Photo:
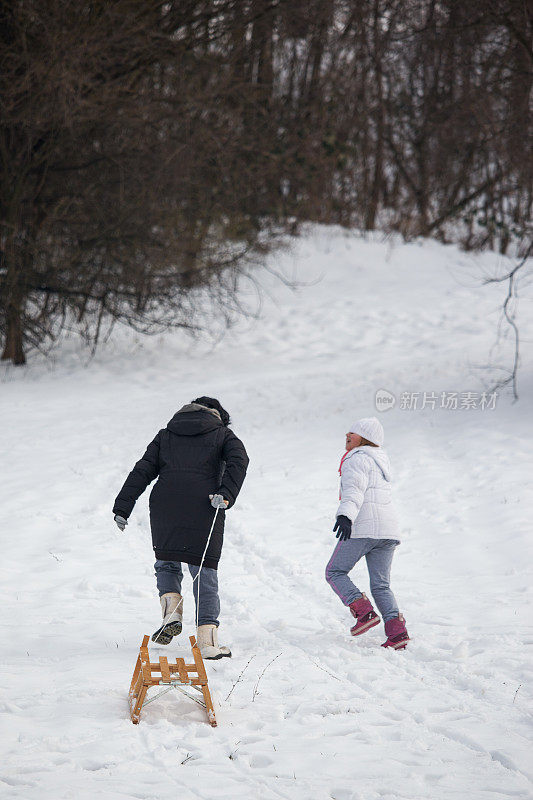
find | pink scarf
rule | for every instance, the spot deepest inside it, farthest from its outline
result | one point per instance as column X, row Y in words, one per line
column 340, row 467
column 342, row 460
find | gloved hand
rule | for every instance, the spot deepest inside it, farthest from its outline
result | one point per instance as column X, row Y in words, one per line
column 217, row 501
column 343, row 526
column 121, row 522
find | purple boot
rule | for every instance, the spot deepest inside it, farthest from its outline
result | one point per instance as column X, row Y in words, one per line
column 397, row 636
column 363, row 610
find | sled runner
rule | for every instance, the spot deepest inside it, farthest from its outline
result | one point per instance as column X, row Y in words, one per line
column 170, row 676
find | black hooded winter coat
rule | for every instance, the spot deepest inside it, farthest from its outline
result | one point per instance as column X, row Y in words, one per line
column 193, row 457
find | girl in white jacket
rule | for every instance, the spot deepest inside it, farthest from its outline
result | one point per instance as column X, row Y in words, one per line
column 367, row 526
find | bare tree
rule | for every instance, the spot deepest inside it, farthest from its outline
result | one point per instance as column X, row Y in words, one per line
column 508, row 314
column 121, row 164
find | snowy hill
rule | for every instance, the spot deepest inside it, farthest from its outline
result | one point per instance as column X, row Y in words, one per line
column 305, row 711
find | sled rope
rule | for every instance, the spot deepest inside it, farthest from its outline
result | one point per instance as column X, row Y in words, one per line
column 201, row 565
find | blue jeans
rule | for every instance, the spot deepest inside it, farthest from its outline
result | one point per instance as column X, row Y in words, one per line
column 378, row 553
column 169, row 576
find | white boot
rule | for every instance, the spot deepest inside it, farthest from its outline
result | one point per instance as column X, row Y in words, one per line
column 172, row 608
column 208, row 643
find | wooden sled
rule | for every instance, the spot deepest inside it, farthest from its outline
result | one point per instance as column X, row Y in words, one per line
column 171, row 676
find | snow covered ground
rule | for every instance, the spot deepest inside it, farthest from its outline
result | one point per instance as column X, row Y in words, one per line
column 304, row 710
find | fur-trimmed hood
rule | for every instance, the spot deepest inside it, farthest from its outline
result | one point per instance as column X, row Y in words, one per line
column 194, row 419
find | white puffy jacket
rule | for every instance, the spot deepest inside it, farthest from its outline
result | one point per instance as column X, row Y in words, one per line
column 365, row 494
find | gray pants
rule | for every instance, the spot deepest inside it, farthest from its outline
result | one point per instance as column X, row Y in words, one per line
column 169, row 575
column 378, row 553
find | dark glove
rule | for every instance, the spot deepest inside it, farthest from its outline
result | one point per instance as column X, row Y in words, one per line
column 343, row 526
column 121, row 522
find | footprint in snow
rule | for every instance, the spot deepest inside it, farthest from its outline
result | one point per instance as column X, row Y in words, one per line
column 259, row 761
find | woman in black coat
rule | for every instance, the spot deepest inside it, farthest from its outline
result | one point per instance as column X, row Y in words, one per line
column 200, row 465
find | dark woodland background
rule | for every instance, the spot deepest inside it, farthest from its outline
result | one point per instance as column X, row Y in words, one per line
column 149, row 148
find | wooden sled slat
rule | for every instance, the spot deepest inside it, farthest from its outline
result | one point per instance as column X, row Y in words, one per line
column 165, row 671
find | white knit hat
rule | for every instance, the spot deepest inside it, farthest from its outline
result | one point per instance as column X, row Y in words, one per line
column 369, row 428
